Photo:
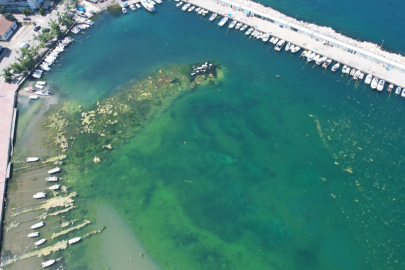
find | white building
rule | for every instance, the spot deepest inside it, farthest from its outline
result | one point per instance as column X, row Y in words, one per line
column 6, row 28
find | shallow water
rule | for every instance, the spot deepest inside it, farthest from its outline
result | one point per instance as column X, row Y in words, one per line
column 280, row 166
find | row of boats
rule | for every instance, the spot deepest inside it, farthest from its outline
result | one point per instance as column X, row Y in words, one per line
column 149, row 5
column 41, row 195
column 374, row 82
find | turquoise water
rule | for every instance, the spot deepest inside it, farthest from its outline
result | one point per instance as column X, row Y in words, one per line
column 365, row 20
column 279, row 166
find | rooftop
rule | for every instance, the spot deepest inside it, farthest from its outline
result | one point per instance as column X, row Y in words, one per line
column 4, row 25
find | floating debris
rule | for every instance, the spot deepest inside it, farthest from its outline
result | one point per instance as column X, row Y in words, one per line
column 96, row 159
column 12, row 225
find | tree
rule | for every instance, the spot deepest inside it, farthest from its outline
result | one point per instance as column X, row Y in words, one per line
column 66, row 19
column 26, row 11
column 44, row 38
column 2, row 9
column 9, row 17
column 8, row 77
column 55, row 29
column 41, row 11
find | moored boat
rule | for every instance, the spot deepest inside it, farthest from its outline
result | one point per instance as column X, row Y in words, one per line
column 361, row 76
column 398, row 91
column 380, row 85
column 335, row 67
column 147, row 6
column 39, row 195
column 265, row 37
column 40, row 242
column 321, row 60
column 223, row 21
column 249, row 31
column 308, row 54
column 287, row 47
column 243, row 27
column 34, row 97
column 32, row 159
column 138, row 5
column 403, row 93
column 352, row 72
column 347, row 71
column 303, row 53
column 368, row 79
column 41, row 82
column 374, row 83
column 238, row 26
column 275, row 40
column 38, row 225
column 43, row 93
column 132, row 7
column 74, row 240
column 213, row 17
column 185, row 7
column 191, row 8
column 311, row 57
column 279, row 45
column 390, row 87
column 34, row 234
column 326, row 64
column 232, row 24
column 179, row 4
column 48, row 263
column 356, row 74
column 197, row 10
column 54, row 187
column 124, row 10
column 316, row 58
column 54, row 170
column 52, row 179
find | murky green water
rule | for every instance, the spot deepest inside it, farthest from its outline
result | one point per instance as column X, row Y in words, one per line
column 279, row 166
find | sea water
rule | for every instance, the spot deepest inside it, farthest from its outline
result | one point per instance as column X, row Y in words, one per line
column 281, row 165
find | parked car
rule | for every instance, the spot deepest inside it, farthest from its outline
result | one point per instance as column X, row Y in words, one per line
column 34, row 23
column 36, row 28
column 26, row 19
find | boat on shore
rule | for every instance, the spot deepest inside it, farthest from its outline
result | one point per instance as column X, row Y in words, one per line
column 40, row 242
column 54, row 187
column 326, row 64
column 223, row 21
column 390, row 87
column 74, row 240
column 39, row 195
column 34, row 234
column 335, row 67
column 54, row 170
column 52, row 179
column 48, row 263
column 380, row 85
column 398, row 91
column 38, row 225
column 213, row 17
column 32, row 159
column 374, row 83
column 368, row 79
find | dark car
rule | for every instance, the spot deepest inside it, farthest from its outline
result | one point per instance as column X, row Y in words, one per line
column 36, row 28
column 34, row 23
column 26, row 19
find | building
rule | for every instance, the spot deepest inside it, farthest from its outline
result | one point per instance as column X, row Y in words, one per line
column 7, row 28
column 19, row 5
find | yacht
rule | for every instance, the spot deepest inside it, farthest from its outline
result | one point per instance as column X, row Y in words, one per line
column 213, row 17
column 54, row 187
column 308, row 54
column 39, row 195
column 205, row 12
column 52, row 179
column 34, row 234
column 335, row 67
column 311, row 57
column 147, row 6
column 138, row 5
column 288, row 46
column 347, row 70
column 403, row 93
column 200, row 11
column 279, row 45
column 352, row 72
column 54, row 170
column 232, row 24
column 40, row 242
column 238, row 26
column 374, row 83
column 265, row 37
column 31, row 159
column 243, row 27
column 361, row 76
column 38, row 225
column 303, row 53
column 191, row 8
column 275, row 41
column 124, row 10
column 48, row 263
column 380, row 85
column 368, row 79
column 74, row 240
column 390, row 87
column 223, row 21
column 197, row 10
column 321, row 60
column 356, row 74
column 185, row 7
column 133, row 7
column 326, row 64
column 398, row 91
column 259, row 35
column 272, row 39
column 43, row 93
column 248, row 32
column 295, row 48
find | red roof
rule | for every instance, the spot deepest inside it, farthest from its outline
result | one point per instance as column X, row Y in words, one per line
column 4, row 25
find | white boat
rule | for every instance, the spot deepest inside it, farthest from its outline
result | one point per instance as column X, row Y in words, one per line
column 311, row 57
column 287, row 47
column 74, row 240
column 138, row 5
column 32, row 159
column 147, row 6
column 38, row 225
column 39, row 86
column 326, row 64
column 243, row 27
column 52, row 179
column 368, row 79
column 179, row 4
column 213, row 17
column 238, row 26
column 374, row 83
column 132, row 7
column 34, row 97
column 403, row 93
column 41, row 82
column 308, row 54
column 295, row 49
column 335, row 67
column 54, row 170
column 258, row 35
column 361, row 76
column 380, row 85
column 34, row 234
column 249, row 31
column 352, row 72
column 390, row 87
column 344, row 69
column 191, row 8
column 185, row 7
column 232, row 24
column 275, row 40
column 265, row 37
column 43, row 93
column 48, row 263
column 40, row 242
column 205, row 12
column 124, row 10
column 398, row 91
column 272, row 39
column 321, row 60
column 158, row 1
column 356, row 74
column 223, row 21
column 39, row 195
column 279, row 45
column 197, row 10
column 54, row 187
column 317, row 57
column 201, row 11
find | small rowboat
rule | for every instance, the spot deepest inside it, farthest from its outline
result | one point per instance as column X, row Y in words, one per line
column 74, row 240
column 32, row 159
column 48, row 263
column 54, row 170
column 40, row 242
column 34, row 234
column 38, row 225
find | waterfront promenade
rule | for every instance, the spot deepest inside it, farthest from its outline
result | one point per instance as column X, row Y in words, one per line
column 306, row 42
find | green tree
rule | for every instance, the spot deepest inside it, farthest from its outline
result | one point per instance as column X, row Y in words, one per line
column 2, row 9
column 26, row 11
column 55, row 29
column 41, row 11
column 44, row 38
column 66, row 19
column 9, row 17
column 8, row 76
column 16, row 67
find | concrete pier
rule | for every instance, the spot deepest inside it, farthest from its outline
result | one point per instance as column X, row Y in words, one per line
column 306, row 42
